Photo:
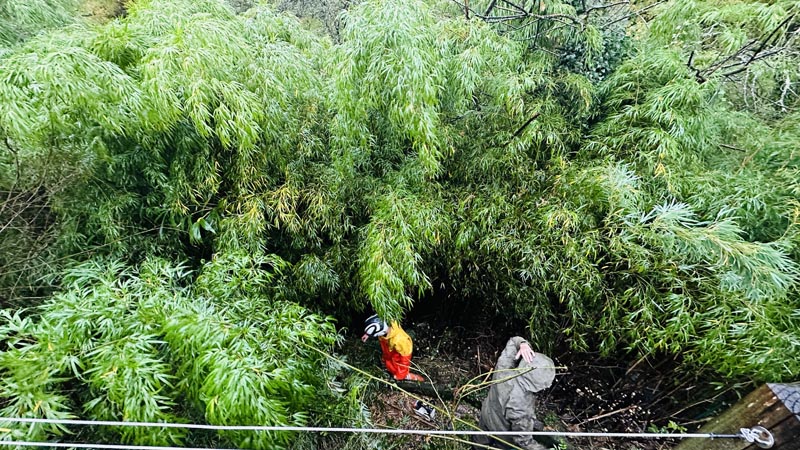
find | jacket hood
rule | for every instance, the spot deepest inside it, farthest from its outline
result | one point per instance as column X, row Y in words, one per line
column 540, row 376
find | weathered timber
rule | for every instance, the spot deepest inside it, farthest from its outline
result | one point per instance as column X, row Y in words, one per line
column 773, row 406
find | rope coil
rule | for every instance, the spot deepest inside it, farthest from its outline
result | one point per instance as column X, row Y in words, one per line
column 758, row 435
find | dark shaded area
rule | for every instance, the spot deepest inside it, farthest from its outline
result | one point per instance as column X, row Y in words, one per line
column 590, row 394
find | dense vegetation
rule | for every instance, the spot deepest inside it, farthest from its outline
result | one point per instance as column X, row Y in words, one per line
column 189, row 195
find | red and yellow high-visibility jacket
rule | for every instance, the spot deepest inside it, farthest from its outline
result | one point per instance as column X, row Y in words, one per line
column 397, row 348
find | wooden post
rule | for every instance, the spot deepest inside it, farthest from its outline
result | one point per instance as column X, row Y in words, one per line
column 775, row 407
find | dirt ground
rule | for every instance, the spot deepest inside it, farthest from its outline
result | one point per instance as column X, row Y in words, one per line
column 99, row 11
column 589, row 393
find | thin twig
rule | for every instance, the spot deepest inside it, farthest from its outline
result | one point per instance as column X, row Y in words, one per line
column 472, row 11
column 713, row 67
column 522, row 128
column 608, row 414
column 637, row 13
column 490, row 7
column 610, row 5
column 762, row 46
column 516, row 6
column 732, row 148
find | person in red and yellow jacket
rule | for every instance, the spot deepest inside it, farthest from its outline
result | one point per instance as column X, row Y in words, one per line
column 396, row 347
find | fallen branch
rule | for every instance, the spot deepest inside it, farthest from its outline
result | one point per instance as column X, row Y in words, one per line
column 608, row 414
column 698, row 76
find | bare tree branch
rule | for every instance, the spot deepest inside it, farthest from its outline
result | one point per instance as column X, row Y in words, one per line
column 490, row 7
column 699, row 77
column 522, row 128
column 710, row 69
column 756, row 55
column 637, row 13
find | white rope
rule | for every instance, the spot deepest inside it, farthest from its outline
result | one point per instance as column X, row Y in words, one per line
column 364, row 430
column 108, row 446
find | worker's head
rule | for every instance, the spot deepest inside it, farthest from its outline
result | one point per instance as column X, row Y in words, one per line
column 374, row 326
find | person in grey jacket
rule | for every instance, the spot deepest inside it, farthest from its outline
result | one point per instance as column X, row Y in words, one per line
column 511, row 404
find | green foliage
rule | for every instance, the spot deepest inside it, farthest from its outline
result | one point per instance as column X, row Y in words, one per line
column 147, row 348
column 584, row 37
column 402, row 227
column 21, row 20
column 390, row 72
column 751, row 46
column 693, row 280
column 627, row 199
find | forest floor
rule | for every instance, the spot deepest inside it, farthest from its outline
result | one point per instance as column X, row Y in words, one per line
column 99, row 11
column 590, row 394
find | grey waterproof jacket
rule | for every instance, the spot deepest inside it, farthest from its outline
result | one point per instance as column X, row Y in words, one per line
column 511, row 403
